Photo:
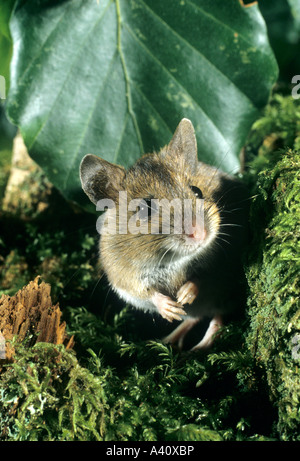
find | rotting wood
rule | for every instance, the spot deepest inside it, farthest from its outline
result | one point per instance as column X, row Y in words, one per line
column 30, row 314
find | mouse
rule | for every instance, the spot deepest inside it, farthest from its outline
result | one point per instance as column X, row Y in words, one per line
column 172, row 233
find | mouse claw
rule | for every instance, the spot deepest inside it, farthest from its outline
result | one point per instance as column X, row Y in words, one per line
column 168, row 309
column 187, row 293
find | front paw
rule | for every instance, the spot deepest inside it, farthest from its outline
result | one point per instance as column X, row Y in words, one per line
column 187, row 293
column 168, row 309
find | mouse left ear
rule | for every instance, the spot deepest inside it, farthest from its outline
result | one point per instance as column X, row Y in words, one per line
column 183, row 145
column 100, row 179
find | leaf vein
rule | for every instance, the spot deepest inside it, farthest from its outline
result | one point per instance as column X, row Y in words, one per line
column 121, row 137
column 152, row 106
column 226, row 26
column 127, row 80
column 92, row 111
column 66, row 79
column 178, row 83
column 195, row 49
column 30, row 64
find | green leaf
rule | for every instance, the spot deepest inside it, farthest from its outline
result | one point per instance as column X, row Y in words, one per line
column 283, row 23
column 5, row 40
column 114, row 78
column 295, row 10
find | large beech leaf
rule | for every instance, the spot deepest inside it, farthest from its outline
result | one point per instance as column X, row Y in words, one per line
column 5, row 41
column 114, row 78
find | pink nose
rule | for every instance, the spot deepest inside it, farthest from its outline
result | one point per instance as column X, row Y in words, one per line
column 198, row 233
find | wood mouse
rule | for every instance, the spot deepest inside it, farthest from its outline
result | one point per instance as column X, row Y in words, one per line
column 185, row 275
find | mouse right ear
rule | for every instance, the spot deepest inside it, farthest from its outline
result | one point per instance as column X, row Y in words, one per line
column 100, row 179
column 183, row 146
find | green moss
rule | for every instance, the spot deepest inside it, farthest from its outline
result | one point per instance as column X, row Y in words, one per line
column 127, row 390
column 278, row 127
column 274, row 288
column 117, row 385
column 47, row 395
column 5, row 158
column 55, row 245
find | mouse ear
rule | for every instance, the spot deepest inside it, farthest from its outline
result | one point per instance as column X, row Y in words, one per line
column 100, row 179
column 183, row 145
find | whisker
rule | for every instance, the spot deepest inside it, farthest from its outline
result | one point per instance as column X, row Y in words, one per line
column 223, row 240
column 231, row 211
column 78, row 270
column 223, row 233
column 231, row 225
column 96, row 285
column 164, row 254
column 237, row 202
column 172, row 257
column 220, row 246
column 137, row 242
column 218, row 166
column 227, row 192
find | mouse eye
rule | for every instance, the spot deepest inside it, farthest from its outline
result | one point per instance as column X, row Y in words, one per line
column 146, row 208
column 197, row 191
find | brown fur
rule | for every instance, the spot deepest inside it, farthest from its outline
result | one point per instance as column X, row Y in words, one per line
column 129, row 260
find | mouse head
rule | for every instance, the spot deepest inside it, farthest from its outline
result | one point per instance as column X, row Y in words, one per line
column 101, row 179
column 170, row 175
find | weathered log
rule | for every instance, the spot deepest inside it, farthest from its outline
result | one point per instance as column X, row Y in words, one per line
column 30, row 315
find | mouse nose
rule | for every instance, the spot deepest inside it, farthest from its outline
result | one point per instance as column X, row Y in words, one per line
column 198, row 235
column 196, row 231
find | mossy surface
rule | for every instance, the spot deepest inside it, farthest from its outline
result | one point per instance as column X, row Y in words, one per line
column 274, row 287
column 120, row 382
column 127, row 390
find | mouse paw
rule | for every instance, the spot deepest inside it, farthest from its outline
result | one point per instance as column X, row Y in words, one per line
column 178, row 335
column 187, row 293
column 210, row 335
column 168, row 309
